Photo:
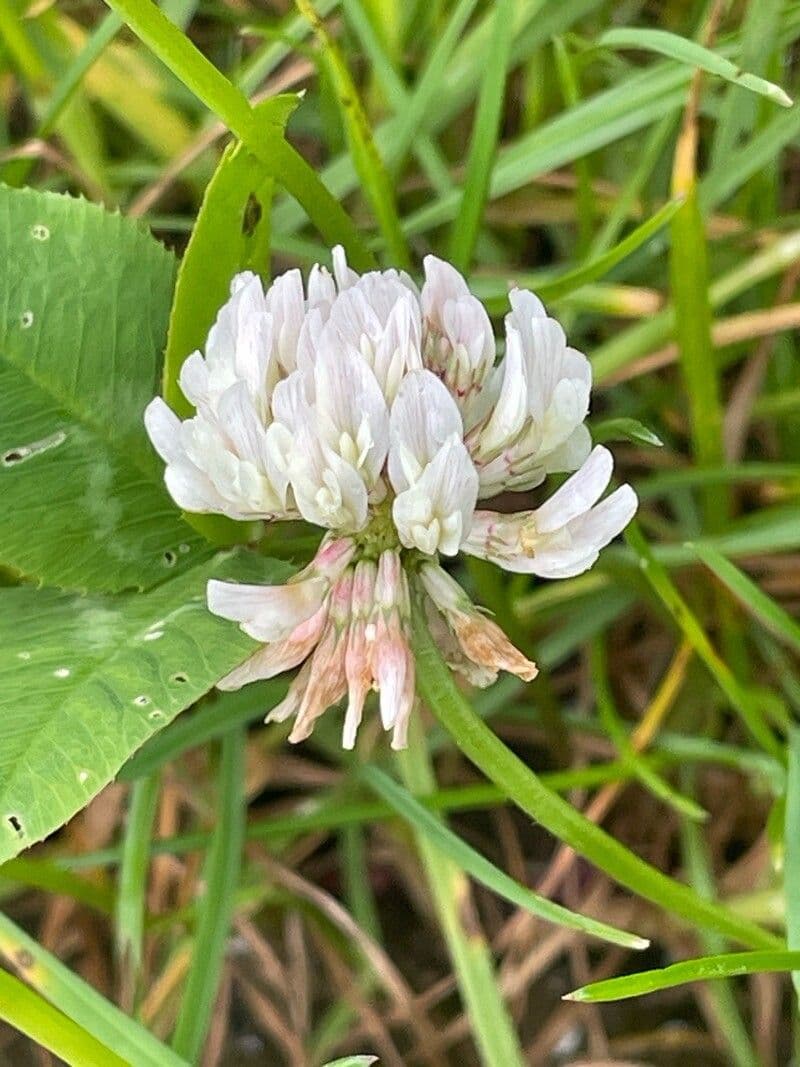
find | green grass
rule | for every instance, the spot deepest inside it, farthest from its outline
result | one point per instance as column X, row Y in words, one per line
column 433, row 909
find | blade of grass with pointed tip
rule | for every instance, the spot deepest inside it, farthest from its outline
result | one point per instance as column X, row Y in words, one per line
column 615, row 729
column 526, row 790
column 656, row 574
column 483, row 870
column 279, row 159
column 694, row 55
column 706, row 968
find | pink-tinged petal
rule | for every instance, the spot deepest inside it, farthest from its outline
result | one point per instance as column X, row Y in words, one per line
column 291, row 702
column 481, row 639
column 267, row 612
column 278, row 657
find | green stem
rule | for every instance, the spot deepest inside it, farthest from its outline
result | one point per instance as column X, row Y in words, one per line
column 493, row 1028
column 524, row 788
column 280, row 160
column 221, row 879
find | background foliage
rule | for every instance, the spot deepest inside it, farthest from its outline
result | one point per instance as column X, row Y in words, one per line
column 228, row 899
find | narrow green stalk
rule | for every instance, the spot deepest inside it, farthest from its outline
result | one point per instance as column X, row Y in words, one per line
column 132, row 889
column 730, row 1023
column 280, row 160
column 28, row 1012
column 626, row 199
column 365, row 155
column 221, row 879
column 483, row 144
column 570, row 90
column 524, row 788
column 492, row 1026
column 791, row 845
column 689, row 282
column 81, row 1003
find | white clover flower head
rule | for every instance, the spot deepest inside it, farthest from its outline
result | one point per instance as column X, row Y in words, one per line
column 380, row 413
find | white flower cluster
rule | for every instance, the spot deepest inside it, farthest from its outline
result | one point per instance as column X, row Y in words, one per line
column 381, row 413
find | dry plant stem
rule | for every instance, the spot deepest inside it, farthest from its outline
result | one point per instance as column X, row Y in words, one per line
column 729, row 331
column 373, row 1024
column 383, row 968
column 736, row 422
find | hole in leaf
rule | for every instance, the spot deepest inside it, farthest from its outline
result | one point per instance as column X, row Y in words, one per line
column 180, row 678
column 156, row 714
column 170, row 558
column 35, row 448
column 141, row 701
column 15, row 824
column 39, row 232
column 26, row 320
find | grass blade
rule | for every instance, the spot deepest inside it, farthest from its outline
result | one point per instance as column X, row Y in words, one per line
column 220, row 880
column 279, row 159
column 28, row 1012
column 705, row 968
column 84, row 1005
column 526, row 790
column 757, row 602
column 485, row 132
column 791, row 845
column 485, row 872
column 363, row 151
column 692, row 630
column 694, row 55
column 597, row 268
column 133, row 872
column 613, row 725
column 494, row 1030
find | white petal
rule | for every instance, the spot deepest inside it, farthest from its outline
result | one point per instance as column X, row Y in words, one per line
column 351, row 411
column 442, row 283
column 163, row 428
column 345, row 277
column 424, row 415
column 193, row 379
column 193, row 491
column 286, row 303
column 578, row 493
column 572, row 453
column 511, row 408
column 435, row 514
